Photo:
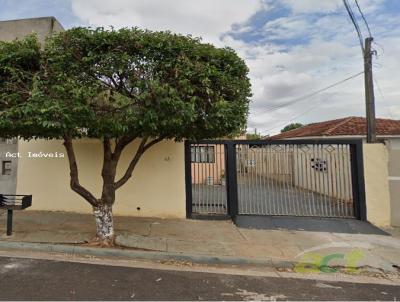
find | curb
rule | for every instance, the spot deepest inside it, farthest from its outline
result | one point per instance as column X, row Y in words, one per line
column 144, row 255
column 165, row 256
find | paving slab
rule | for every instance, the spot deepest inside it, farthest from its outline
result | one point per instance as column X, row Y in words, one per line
column 201, row 239
column 142, row 242
column 260, row 251
column 201, row 230
column 393, row 230
column 199, row 247
column 45, row 236
column 287, row 238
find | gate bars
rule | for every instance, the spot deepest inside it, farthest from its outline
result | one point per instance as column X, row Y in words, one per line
column 322, row 178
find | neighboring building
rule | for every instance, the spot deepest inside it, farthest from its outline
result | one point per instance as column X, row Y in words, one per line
column 43, row 27
column 349, row 127
column 11, row 30
column 208, row 162
column 388, row 132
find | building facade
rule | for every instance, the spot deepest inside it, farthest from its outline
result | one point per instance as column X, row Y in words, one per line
column 41, row 168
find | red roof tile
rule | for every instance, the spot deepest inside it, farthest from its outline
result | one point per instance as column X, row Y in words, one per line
column 342, row 127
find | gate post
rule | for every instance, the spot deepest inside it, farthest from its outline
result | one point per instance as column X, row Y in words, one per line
column 188, row 179
column 232, row 192
column 357, row 180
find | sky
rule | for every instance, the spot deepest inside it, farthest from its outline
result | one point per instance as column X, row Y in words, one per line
column 292, row 47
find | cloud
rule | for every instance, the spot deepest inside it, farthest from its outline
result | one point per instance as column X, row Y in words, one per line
column 326, row 6
column 312, row 6
column 206, row 18
column 284, row 66
column 292, row 48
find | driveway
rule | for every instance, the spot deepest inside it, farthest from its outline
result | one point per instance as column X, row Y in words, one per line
column 269, row 198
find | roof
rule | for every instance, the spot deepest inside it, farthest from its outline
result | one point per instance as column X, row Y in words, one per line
column 349, row 126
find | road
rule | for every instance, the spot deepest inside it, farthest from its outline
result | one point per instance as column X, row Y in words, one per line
column 33, row 279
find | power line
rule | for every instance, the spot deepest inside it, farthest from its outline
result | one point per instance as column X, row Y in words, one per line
column 379, row 88
column 367, row 52
column 367, row 26
column 313, row 93
column 383, row 97
column 355, row 23
column 363, row 17
column 297, row 116
column 381, row 47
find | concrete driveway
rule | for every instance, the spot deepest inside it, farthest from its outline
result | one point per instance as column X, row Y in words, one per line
column 269, row 198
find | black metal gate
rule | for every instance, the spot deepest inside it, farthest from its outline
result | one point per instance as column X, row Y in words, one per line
column 320, row 178
column 208, row 182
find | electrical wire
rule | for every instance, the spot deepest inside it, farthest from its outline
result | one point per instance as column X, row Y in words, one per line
column 312, row 94
column 355, row 23
column 381, row 47
column 363, row 17
column 297, row 116
column 379, row 87
column 382, row 96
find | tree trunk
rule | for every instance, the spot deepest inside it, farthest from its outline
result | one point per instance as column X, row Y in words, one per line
column 104, row 224
column 102, row 207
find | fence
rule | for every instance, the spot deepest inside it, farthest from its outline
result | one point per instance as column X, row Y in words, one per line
column 299, row 178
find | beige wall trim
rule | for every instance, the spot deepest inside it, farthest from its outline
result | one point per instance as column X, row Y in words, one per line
column 376, row 184
column 394, row 177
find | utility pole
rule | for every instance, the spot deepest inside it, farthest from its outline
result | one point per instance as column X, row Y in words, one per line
column 369, row 92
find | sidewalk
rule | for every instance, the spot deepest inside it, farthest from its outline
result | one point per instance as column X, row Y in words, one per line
column 194, row 239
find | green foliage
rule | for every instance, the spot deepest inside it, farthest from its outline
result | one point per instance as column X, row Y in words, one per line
column 114, row 83
column 253, row 136
column 291, row 126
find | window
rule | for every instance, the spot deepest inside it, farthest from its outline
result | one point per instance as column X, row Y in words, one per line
column 202, row 154
column 6, row 167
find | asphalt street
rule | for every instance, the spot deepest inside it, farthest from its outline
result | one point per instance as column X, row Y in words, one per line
column 30, row 279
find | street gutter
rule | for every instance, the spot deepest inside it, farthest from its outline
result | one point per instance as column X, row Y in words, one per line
column 267, row 262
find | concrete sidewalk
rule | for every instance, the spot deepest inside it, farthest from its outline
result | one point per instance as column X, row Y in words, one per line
column 199, row 238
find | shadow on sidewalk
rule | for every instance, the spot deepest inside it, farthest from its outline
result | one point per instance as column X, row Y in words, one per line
column 332, row 225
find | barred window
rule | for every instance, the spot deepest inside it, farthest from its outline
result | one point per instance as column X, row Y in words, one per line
column 202, row 154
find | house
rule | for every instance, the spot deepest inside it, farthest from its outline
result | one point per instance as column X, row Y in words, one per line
column 177, row 180
column 349, row 127
column 41, row 168
column 387, row 132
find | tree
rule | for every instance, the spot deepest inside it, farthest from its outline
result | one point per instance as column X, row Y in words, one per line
column 119, row 86
column 291, row 126
column 253, row 136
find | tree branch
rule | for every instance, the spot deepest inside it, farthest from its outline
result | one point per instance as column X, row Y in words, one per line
column 74, row 182
column 141, row 149
column 121, row 144
column 153, row 142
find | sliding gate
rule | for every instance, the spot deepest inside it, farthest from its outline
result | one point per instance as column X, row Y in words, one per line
column 295, row 178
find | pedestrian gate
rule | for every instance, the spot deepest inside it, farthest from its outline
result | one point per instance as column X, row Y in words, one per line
column 296, row 178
